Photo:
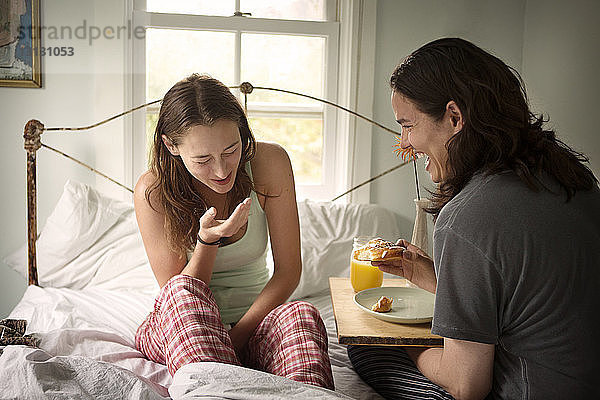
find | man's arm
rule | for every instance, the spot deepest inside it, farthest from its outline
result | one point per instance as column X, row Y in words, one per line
column 463, row 368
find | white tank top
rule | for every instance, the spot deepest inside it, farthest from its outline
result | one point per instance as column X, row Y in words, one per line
column 240, row 270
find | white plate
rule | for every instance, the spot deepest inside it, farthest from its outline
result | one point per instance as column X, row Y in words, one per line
column 410, row 306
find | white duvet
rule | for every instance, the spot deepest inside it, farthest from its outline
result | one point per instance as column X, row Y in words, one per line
column 87, row 351
column 99, row 287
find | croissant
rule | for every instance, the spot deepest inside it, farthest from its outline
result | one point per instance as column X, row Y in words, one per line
column 378, row 250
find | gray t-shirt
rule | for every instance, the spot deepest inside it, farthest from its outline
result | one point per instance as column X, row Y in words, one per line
column 521, row 269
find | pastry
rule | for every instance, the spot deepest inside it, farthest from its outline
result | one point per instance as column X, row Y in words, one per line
column 384, row 304
column 378, row 250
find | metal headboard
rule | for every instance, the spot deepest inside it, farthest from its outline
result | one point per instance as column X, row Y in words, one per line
column 34, row 129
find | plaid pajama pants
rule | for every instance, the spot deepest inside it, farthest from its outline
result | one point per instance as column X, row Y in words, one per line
column 186, row 327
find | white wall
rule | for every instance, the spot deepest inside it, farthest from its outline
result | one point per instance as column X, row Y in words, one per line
column 76, row 91
column 561, row 62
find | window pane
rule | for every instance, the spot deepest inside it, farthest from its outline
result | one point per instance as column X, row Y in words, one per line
column 197, row 7
column 288, row 62
column 171, row 55
column 301, row 138
column 311, row 10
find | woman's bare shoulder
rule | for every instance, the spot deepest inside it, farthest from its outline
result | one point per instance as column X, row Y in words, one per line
column 146, row 181
column 269, row 156
column 271, row 165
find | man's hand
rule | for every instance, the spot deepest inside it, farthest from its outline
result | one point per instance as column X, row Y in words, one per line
column 415, row 265
column 212, row 229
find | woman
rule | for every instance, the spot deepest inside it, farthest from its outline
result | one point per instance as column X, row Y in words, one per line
column 516, row 250
column 203, row 210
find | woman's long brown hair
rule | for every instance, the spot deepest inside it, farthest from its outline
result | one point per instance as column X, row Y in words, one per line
column 195, row 100
column 499, row 131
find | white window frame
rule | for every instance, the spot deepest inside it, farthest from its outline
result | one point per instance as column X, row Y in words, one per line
column 351, row 48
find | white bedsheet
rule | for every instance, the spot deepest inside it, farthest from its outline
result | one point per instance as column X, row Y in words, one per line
column 87, row 351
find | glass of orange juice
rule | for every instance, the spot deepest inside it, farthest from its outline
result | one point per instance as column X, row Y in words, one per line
column 362, row 274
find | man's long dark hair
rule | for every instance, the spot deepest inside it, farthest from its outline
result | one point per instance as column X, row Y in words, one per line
column 499, row 131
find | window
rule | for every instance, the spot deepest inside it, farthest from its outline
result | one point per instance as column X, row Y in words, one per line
column 284, row 44
column 309, row 10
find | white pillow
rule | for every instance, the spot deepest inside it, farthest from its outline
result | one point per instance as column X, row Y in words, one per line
column 326, row 233
column 92, row 240
column 89, row 240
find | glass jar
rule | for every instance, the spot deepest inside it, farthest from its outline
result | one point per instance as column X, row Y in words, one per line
column 362, row 274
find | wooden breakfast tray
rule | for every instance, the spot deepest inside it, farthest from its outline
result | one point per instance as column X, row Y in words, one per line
column 354, row 326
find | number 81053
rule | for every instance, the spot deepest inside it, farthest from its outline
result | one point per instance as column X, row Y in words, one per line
column 57, row 51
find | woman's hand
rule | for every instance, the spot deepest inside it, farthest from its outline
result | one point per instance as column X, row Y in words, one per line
column 239, row 339
column 212, row 229
column 415, row 265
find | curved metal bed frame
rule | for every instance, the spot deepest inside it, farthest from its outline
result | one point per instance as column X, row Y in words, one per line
column 34, row 129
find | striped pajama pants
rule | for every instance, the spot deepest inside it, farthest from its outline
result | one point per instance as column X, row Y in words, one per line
column 391, row 372
column 185, row 327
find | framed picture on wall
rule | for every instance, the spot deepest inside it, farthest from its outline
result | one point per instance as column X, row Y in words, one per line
column 20, row 61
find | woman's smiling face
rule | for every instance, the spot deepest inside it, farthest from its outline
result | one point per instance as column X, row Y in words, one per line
column 211, row 154
column 426, row 136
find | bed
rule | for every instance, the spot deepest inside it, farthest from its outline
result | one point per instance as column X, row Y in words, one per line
column 91, row 286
